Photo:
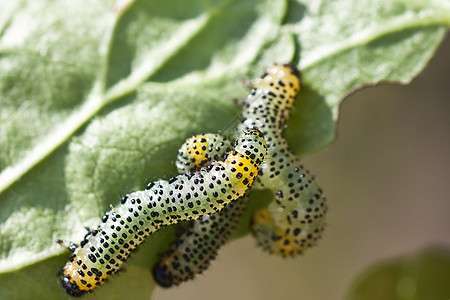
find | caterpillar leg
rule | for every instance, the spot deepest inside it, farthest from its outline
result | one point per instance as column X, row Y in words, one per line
column 182, row 198
column 195, row 248
column 69, row 245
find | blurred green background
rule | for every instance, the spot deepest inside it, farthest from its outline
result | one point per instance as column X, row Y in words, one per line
column 387, row 181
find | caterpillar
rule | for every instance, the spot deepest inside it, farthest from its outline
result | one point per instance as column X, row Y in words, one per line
column 295, row 220
column 194, row 250
column 184, row 197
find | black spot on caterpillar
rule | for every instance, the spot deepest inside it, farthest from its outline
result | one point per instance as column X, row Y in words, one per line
column 184, row 197
column 293, row 222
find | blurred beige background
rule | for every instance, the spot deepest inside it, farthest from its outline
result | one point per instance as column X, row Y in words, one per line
column 387, row 179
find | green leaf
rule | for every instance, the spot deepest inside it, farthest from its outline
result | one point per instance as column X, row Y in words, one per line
column 344, row 45
column 420, row 277
column 96, row 97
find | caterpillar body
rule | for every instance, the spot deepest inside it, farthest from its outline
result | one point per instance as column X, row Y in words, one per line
column 295, row 220
column 184, row 197
column 195, row 248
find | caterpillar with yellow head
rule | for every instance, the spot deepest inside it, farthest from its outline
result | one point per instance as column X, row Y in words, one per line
column 184, row 197
column 292, row 223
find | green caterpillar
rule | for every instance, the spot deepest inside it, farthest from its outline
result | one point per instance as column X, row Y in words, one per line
column 184, row 197
column 293, row 222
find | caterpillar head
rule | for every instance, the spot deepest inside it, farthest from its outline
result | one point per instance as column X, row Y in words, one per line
column 284, row 78
column 70, row 281
column 71, row 287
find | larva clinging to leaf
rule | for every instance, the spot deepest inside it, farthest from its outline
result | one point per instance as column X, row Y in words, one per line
column 184, row 197
column 296, row 219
